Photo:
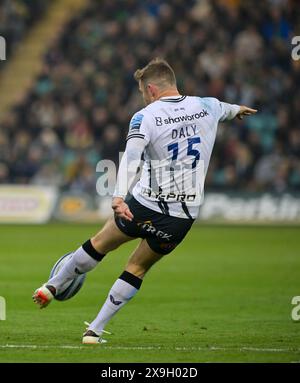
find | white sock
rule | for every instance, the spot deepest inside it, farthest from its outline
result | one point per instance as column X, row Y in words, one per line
column 84, row 259
column 121, row 292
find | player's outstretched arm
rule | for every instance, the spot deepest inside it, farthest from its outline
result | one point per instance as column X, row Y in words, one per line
column 230, row 111
column 245, row 111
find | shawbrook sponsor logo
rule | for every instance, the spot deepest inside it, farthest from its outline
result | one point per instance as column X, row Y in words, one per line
column 187, row 118
column 2, row 309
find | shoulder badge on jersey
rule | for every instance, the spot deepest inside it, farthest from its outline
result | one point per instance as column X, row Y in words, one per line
column 136, row 122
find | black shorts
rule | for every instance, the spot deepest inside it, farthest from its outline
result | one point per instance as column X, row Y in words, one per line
column 162, row 232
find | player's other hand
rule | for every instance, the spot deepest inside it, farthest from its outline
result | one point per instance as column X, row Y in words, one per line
column 245, row 111
column 121, row 209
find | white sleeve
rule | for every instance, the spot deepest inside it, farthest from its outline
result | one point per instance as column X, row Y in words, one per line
column 221, row 110
column 129, row 165
column 228, row 111
column 137, row 139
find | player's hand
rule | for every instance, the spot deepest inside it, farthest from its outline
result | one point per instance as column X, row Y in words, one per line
column 245, row 111
column 121, row 209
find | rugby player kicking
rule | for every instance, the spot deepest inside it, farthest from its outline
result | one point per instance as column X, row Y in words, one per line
column 172, row 128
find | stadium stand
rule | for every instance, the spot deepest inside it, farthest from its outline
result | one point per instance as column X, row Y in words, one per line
column 16, row 17
column 78, row 109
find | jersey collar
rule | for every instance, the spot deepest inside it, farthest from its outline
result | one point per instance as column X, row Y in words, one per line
column 172, row 99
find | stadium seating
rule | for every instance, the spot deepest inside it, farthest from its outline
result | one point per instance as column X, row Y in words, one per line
column 78, row 109
column 16, row 17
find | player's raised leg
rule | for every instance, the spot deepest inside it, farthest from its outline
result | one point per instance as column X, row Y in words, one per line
column 84, row 259
column 124, row 289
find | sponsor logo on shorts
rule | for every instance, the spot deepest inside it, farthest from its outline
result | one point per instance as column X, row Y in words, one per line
column 149, row 228
column 121, row 222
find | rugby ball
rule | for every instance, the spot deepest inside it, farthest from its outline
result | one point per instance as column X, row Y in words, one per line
column 70, row 288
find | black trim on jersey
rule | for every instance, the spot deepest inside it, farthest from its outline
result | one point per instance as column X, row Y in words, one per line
column 135, row 135
column 163, row 204
column 163, row 207
column 149, row 173
column 173, row 99
column 186, row 210
column 166, row 207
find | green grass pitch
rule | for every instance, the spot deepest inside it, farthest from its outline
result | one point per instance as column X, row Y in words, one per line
column 224, row 295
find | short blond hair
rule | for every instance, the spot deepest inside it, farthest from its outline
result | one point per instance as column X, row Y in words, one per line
column 157, row 71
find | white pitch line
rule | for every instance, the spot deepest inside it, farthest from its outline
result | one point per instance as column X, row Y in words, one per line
column 254, row 349
column 149, row 348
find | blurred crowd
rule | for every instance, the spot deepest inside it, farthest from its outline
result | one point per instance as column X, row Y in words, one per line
column 16, row 17
column 78, row 110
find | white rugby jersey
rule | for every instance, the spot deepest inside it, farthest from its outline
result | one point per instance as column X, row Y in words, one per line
column 175, row 135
